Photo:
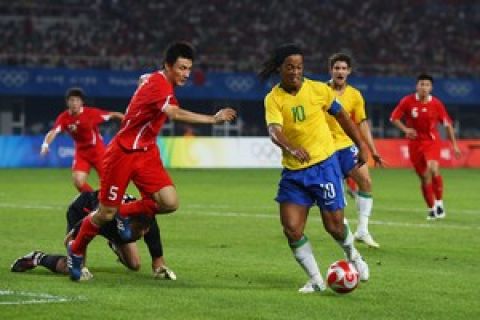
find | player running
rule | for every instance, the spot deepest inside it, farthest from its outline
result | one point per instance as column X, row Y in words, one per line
column 340, row 67
column 81, row 123
column 422, row 113
column 295, row 115
column 133, row 154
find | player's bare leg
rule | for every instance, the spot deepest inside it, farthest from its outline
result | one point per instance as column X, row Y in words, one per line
column 336, row 224
column 80, row 181
column 364, row 201
column 293, row 218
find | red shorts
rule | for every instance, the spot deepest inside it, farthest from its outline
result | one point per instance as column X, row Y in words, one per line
column 144, row 168
column 86, row 158
column 422, row 152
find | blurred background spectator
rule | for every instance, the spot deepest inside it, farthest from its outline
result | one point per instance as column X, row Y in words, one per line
column 385, row 37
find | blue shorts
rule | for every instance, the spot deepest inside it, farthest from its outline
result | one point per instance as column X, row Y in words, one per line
column 348, row 159
column 320, row 184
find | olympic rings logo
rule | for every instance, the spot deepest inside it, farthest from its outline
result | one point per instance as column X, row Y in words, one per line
column 266, row 151
column 458, row 88
column 240, row 84
column 13, row 79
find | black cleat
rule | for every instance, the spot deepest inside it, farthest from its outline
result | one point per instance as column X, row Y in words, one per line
column 431, row 215
column 27, row 262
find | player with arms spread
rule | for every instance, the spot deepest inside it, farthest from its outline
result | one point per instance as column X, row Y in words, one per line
column 81, row 122
column 422, row 113
column 340, row 67
column 134, row 156
column 295, row 115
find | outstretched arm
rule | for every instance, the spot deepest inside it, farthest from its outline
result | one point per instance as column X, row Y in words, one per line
column 367, row 137
column 178, row 114
column 49, row 137
column 451, row 136
column 116, row 115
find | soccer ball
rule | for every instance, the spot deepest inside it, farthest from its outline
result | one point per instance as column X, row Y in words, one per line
column 342, row 277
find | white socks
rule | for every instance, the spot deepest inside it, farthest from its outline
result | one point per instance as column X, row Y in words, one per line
column 364, row 206
column 347, row 244
column 302, row 250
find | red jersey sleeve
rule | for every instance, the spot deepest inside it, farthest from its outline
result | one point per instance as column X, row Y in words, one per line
column 443, row 116
column 59, row 125
column 399, row 110
column 98, row 116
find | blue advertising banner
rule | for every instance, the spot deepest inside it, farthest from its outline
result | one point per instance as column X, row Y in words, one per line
column 213, row 85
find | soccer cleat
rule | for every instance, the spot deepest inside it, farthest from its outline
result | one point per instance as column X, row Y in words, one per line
column 165, row 273
column 86, row 274
column 367, row 239
column 27, row 262
column 313, row 286
column 123, row 227
column 431, row 215
column 74, row 263
column 362, row 268
column 440, row 212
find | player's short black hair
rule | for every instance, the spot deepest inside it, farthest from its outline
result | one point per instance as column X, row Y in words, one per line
column 339, row 56
column 179, row 50
column 75, row 92
column 425, row 76
column 276, row 59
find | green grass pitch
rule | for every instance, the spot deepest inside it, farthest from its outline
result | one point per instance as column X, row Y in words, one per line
column 226, row 245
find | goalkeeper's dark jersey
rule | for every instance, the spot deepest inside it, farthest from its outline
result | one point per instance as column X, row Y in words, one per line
column 86, row 202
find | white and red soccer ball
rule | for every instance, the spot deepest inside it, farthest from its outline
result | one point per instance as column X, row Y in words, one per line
column 342, row 276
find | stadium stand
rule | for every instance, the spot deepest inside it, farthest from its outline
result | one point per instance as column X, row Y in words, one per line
column 385, row 37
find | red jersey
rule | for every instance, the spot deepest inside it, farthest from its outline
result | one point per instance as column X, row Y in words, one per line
column 423, row 117
column 83, row 127
column 145, row 113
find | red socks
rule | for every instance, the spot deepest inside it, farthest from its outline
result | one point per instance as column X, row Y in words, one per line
column 437, row 183
column 85, row 188
column 138, row 207
column 87, row 232
column 427, row 191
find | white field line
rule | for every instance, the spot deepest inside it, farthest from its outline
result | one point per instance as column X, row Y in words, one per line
column 33, row 298
column 206, row 210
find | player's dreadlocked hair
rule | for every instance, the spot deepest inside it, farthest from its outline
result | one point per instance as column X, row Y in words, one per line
column 276, row 59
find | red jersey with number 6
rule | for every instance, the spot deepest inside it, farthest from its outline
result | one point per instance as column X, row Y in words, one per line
column 423, row 117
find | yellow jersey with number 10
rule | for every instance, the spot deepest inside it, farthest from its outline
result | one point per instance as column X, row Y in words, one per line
column 303, row 120
column 352, row 102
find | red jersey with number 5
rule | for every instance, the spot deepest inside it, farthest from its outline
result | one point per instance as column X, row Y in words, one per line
column 83, row 127
column 423, row 117
column 145, row 114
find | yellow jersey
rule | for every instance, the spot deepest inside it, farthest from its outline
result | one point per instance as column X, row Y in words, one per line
column 352, row 102
column 303, row 120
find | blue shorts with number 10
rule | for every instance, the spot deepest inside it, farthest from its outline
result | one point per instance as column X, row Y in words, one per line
column 319, row 184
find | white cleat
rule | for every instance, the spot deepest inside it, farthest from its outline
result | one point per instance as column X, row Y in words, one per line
column 86, row 275
column 362, row 268
column 164, row 273
column 367, row 239
column 313, row 286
